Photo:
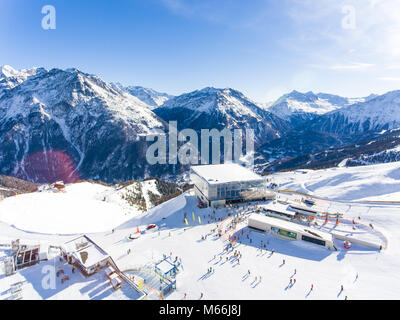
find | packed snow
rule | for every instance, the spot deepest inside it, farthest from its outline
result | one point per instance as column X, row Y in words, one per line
column 81, row 208
column 364, row 273
column 379, row 182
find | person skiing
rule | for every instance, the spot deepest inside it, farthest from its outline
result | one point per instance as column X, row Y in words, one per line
column 201, row 295
column 312, row 287
column 184, row 296
column 283, row 262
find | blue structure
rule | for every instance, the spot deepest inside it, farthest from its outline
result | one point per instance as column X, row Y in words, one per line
column 167, row 271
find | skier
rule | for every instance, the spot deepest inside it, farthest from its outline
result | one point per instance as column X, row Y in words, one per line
column 294, row 281
column 184, row 297
column 312, row 287
column 295, row 271
column 341, row 288
column 201, row 295
column 283, row 262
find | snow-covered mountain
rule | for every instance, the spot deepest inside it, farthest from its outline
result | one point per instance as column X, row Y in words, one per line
column 296, row 106
column 68, row 124
column 9, row 77
column 377, row 114
column 210, row 108
column 373, row 148
column 149, row 96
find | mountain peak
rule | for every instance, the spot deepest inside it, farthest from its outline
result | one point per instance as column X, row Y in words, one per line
column 150, row 97
column 7, row 71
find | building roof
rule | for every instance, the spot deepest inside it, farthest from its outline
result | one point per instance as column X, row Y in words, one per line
column 278, row 207
column 227, row 172
column 165, row 266
column 290, row 226
column 85, row 251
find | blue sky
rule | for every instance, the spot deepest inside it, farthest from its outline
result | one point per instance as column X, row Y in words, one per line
column 263, row 48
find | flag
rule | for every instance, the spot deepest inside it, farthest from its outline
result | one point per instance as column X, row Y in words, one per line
column 137, row 230
column 194, row 219
column 140, row 284
column 199, row 220
column 187, row 223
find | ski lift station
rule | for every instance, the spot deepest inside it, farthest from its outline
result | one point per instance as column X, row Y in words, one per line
column 289, row 230
column 221, row 183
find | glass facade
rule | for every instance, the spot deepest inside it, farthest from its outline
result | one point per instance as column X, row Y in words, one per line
column 200, row 184
column 224, row 191
column 232, row 190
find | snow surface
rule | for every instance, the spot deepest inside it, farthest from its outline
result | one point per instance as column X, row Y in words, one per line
column 223, row 173
column 375, row 182
column 79, row 209
column 309, row 103
column 380, row 111
column 365, row 273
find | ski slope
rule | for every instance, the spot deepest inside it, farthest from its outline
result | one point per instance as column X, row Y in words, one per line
column 365, row 273
column 84, row 207
column 379, row 182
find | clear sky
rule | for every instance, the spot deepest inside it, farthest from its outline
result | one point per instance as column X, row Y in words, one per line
column 263, row 48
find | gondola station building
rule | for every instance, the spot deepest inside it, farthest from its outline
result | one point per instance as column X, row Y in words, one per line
column 218, row 184
column 289, row 230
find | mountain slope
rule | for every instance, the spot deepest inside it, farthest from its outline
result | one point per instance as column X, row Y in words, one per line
column 373, row 149
column 65, row 124
column 219, row 108
column 149, row 96
column 300, row 107
column 380, row 113
column 10, row 78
